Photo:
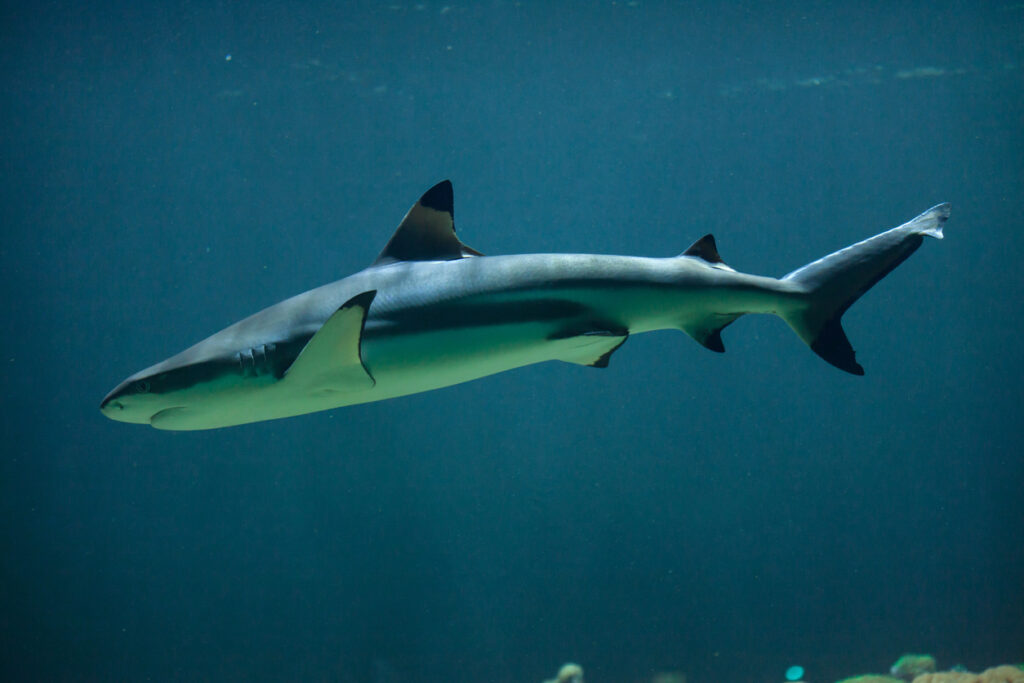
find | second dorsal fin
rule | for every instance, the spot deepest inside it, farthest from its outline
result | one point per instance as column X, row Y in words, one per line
column 427, row 233
column 706, row 249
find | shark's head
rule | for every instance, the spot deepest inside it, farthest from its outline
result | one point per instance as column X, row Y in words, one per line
column 191, row 384
column 199, row 388
column 152, row 392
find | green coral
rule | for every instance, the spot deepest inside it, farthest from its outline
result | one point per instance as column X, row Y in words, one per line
column 910, row 666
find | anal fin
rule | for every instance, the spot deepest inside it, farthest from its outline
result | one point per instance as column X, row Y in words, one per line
column 332, row 358
column 708, row 331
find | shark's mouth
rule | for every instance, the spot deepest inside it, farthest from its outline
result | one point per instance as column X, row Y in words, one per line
column 166, row 418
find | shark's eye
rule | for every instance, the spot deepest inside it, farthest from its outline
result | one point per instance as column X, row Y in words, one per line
column 142, row 387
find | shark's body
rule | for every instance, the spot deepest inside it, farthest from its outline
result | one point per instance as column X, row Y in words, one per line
column 432, row 312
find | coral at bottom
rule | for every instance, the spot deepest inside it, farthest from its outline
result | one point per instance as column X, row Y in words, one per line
column 999, row 674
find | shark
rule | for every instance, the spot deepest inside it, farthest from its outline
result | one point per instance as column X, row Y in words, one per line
column 432, row 312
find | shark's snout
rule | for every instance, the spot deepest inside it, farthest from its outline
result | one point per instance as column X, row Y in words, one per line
column 114, row 408
column 127, row 402
column 111, row 406
column 112, row 403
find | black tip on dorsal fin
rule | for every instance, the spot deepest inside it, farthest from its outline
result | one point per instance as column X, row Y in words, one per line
column 427, row 233
column 705, row 249
column 440, row 198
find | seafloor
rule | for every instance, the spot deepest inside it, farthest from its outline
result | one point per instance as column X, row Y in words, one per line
column 909, row 668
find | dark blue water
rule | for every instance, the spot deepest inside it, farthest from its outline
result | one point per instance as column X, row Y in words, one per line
column 169, row 170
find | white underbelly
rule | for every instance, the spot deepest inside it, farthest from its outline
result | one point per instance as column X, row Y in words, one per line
column 403, row 365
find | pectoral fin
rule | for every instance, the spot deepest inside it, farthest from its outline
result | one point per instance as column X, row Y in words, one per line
column 331, row 359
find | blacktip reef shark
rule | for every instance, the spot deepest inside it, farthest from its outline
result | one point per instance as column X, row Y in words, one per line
column 431, row 312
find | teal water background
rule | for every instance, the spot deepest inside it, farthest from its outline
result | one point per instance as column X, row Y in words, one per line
column 171, row 169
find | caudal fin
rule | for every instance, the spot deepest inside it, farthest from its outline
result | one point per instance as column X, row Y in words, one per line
column 834, row 282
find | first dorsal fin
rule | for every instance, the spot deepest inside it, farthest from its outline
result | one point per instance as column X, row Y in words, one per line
column 427, row 233
column 706, row 249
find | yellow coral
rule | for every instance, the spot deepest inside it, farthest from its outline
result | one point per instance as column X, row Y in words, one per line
column 1002, row 674
column 947, row 677
column 569, row 673
column 999, row 674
